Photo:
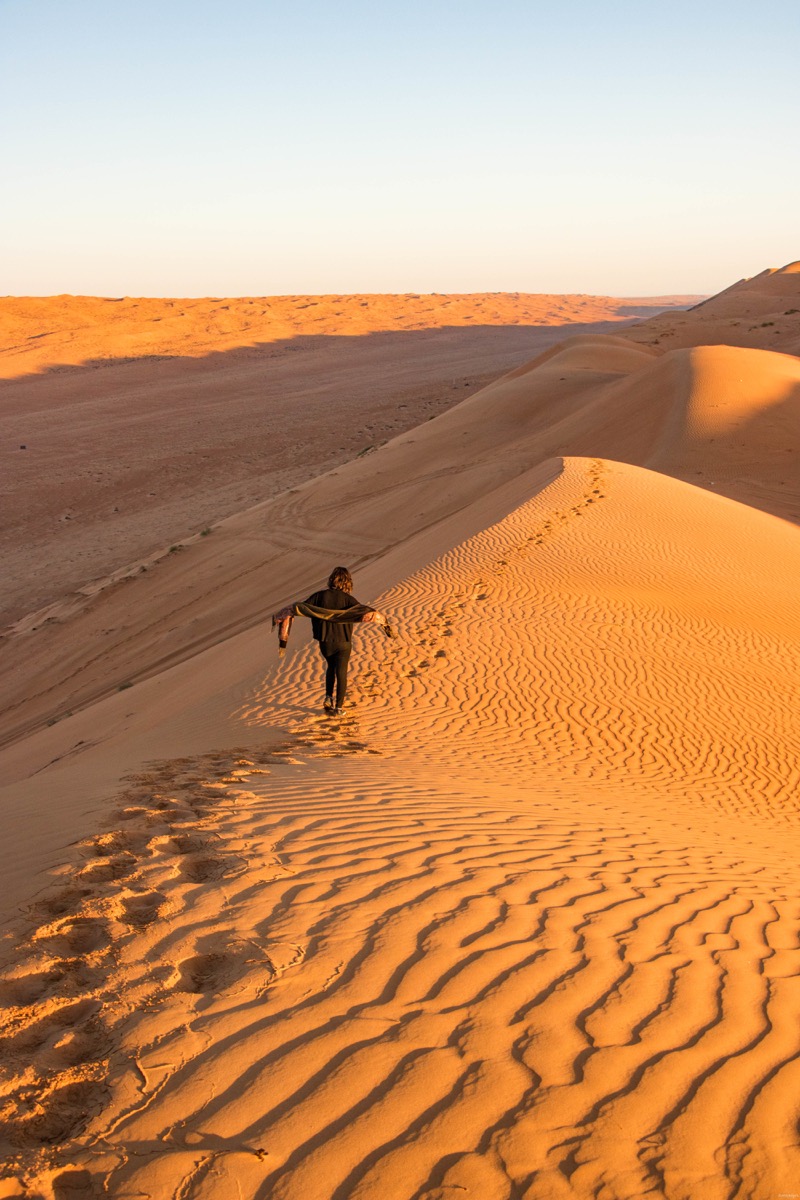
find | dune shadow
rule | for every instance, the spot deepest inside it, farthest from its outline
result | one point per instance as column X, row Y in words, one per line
column 516, row 338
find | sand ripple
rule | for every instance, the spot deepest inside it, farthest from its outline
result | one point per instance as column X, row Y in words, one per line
column 438, row 991
column 524, row 926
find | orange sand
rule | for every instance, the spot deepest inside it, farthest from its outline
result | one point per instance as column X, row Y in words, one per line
column 525, row 923
column 76, row 330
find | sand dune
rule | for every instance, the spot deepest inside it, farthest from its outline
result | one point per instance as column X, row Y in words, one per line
column 497, row 932
column 724, row 417
column 524, row 924
column 761, row 313
column 144, row 422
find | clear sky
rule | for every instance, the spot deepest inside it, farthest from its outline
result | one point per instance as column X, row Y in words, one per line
column 255, row 147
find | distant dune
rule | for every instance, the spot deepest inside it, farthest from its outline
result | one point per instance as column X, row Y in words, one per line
column 761, row 313
column 45, row 332
column 525, row 922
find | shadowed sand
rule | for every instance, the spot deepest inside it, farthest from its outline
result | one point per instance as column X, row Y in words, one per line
column 525, row 923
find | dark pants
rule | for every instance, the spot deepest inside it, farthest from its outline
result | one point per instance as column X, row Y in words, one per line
column 337, row 658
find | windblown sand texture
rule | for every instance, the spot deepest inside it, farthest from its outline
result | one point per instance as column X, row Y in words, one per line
column 524, row 924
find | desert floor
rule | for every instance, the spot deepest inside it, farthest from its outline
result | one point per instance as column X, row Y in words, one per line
column 523, row 924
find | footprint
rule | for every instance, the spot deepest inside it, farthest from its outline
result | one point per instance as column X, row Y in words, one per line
column 198, row 868
column 28, row 989
column 118, row 867
column 77, row 1046
column 75, row 937
column 61, row 902
column 205, row 973
column 142, row 909
column 76, row 1185
column 119, row 842
column 62, row 1114
column 179, row 844
column 36, row 1034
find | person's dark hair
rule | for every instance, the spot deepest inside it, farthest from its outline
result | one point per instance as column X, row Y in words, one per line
column 341, row 578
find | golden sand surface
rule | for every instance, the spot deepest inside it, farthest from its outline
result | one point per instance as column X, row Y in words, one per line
column 523, row 924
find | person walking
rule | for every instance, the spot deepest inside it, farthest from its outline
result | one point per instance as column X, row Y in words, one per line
column 335, row 638
column 333, row 611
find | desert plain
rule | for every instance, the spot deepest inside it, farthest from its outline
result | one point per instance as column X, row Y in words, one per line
column 523, row 923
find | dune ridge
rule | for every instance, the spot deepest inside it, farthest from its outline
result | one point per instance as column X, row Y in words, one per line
column 760, row 313
column 495, row 932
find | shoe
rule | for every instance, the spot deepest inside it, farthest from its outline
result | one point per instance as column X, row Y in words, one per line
column 328, row 705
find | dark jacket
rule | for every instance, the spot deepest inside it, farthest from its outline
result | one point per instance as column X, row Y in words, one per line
column 332, row 635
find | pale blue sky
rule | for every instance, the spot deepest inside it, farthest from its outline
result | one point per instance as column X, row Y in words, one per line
column 180, row 147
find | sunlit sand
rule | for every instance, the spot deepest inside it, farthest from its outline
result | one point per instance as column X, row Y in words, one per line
column 525, row 922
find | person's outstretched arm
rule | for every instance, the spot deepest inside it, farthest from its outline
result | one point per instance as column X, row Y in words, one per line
column 354, row 613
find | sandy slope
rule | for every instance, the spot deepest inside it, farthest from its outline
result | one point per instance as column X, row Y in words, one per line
column 762, row 313
column 724, row 417
column 524, row 925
